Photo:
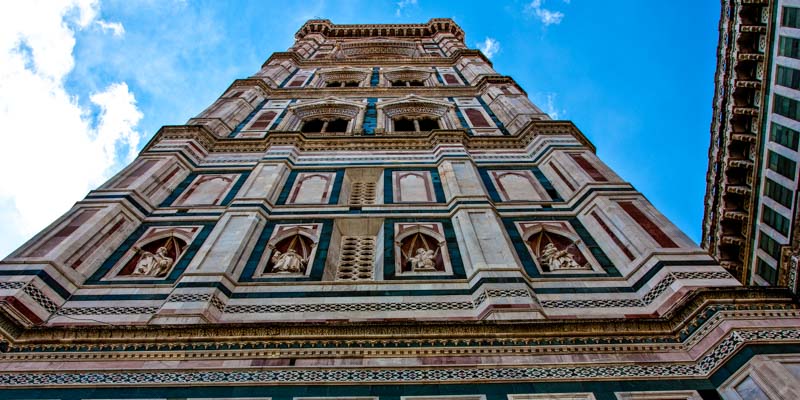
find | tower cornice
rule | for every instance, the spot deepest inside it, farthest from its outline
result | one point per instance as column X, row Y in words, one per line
column 327, row 28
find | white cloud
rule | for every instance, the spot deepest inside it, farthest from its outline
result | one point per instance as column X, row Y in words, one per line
column 402, row 5
column 489, row 47
column 547, row 17
column 114, row 27
column 547, row 103
column 53, row 150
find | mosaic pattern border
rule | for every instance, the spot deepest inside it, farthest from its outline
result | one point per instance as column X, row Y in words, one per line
column 700, row 369
column 646, row 300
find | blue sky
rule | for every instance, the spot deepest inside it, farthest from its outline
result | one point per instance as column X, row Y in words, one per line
column 84, row 84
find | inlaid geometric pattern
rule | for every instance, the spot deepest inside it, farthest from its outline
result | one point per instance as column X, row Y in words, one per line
column 648, row 298
column 188, row 297
column 12, row 285
column 357, row 258
column 107, row 310
column 501, row 293
column 659, row 370
column 362, row 193
column 346, row 307
column 40, row 298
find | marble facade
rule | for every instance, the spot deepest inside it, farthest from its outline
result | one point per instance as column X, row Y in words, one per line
column 378, row 214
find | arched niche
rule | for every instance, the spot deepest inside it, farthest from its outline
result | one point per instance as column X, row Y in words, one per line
column 556, row 249
column 312, row 188
column 421, row 249
column 343, row 76
column 518, row 185
column 207, row 189
column 155, row 253
column 291, row 250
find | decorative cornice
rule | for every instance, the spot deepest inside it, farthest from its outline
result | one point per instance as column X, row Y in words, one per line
column 323, row 142
column 422, row 60
column 326, row 28
column 674, row 327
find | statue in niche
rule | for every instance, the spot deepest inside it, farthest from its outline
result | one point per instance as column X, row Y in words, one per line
column 288, row 263
column 423, row 261
column 420, row 253
column 151, row 264
column 291, row 255
column 154, row 259
column 558, row 259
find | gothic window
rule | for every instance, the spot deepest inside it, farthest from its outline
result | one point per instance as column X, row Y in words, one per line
column 476, row 118
column 337, row 125
column 415, row 124
column 404, row 125
column 427, row 124
column 314, row 125
column 263, row 120
column 408, row 83
column 342, row 84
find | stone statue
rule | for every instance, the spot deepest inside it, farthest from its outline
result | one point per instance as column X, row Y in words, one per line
column 558, row 259
column 150, row 264
column 423, row 261
column 288, row 263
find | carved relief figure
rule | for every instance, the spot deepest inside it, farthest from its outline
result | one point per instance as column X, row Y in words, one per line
column 154, row 258
column 423, row 261
column 288, row 263
column 150, row 264
column 554, row 251
column 421, row 253
column 557, row 259
column 291, row 255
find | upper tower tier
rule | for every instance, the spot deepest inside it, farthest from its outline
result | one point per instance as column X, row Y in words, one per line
column 427, row 30
column 319, row 39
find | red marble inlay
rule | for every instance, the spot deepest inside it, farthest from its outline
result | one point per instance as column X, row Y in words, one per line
column 136, row 173
column 560, row 175
column 62, row 233
column 613, row 236
column 476, row 118
column 110, row 232
column 651, row 228
column 263, row 120
column 589, row 168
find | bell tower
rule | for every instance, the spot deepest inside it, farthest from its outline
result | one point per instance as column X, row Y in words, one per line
column 377, row 213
